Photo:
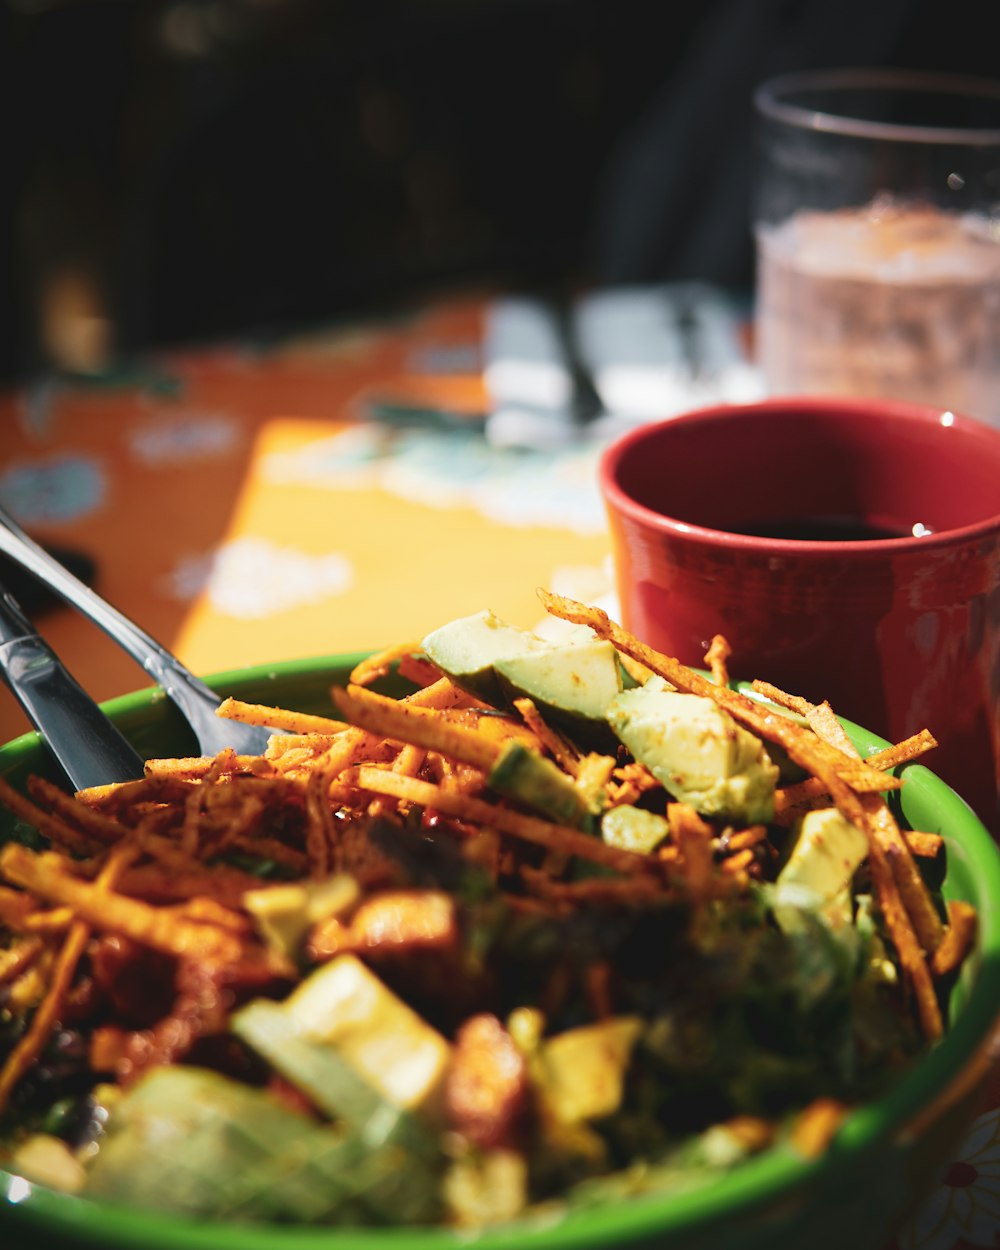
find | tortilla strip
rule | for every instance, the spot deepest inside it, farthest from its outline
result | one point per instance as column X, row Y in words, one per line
column 48, row 825
column 506, row 820
column 424, row 727
column 380, row 664
column 276, row 718
column 558, row 746
column 817, row 756
column 958, row 937
column 46, row 875
column 882, row 825
column 802, row 745
column 44, row 1020
column 717, row 658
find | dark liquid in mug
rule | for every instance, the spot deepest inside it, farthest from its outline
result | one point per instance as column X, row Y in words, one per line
column 827, row 529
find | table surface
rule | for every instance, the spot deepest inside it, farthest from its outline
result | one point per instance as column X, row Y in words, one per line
column 249, row 504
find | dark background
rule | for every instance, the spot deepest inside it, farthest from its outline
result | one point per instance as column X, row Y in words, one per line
column 188, row 169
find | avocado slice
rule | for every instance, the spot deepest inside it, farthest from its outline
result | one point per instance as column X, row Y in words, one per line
column 535, row 781
column 581, row 1072
column 634, row 829
column 191, row 1141
column 572, row 684
column 826, row 854
column 468, row 648
column 697, row 751
column 344, row 1020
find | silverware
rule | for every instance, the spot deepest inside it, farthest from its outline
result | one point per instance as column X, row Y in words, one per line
column 196, row 700
column 83, row 740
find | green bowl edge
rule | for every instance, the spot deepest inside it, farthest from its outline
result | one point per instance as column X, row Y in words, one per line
column 738, row 1194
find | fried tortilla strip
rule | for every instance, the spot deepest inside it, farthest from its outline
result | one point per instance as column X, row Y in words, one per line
column 104, row 829
column 882, row 825
column 904, row 751
column 486, row 1086
column 380, row 664
column 393, row 920
column 558, row 746
column 793, row 702
column 816, row 1126
column 822, row 721
column 517, row 825
column 310, row 744
column 53, row 827
column 419, row 670
column 124, row 795
column 158, row 883
column 811, row 752
column 15, row 908
column 743, row 839
column 18, row 957
column 47, row 876
column 408, row 762
column 277, row 718
column 197, row 767
column 717, row 659
column 591, row 890
column 925, row 845
column 630, row 782
column 792, row 800
column 738, row 862
column 897, row 919
column 44, row 1020
column 693, row 838
column 31, row 1044
column 802, row 744
column 424, row 727
column 957, row 940
column 496, row 726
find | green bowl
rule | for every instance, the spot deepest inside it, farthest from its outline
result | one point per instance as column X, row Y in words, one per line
column 885, row 1158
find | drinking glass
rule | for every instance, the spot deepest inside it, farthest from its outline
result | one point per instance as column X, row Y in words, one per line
column 877, row 222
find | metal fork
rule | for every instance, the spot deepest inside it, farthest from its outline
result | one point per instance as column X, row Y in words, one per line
column 196, row 700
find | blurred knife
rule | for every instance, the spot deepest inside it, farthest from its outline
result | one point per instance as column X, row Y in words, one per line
column 83, row 740
column 540, row 398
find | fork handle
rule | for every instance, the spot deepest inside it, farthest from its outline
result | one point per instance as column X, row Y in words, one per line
column 89, row 747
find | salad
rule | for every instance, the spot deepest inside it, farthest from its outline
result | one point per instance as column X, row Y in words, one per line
column 565, row 920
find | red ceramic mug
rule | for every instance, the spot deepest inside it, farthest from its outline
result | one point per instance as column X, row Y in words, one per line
column 848, row 550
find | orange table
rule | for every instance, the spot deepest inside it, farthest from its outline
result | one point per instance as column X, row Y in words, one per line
column 240, row 513
column 242, row 509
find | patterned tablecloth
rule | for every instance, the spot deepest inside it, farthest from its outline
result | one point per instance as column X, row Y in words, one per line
column 330, row 494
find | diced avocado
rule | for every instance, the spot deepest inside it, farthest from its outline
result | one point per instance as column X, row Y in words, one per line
column 697, row 751
column 467, row 649
column 284, row 913
column 826, row 854
column 523, row 774
column 581, row 1072
column 48, row 1161
column 194, row 1142
column 345, row 1006
column 486, row 1187
column 572, row 683
column 633, row 829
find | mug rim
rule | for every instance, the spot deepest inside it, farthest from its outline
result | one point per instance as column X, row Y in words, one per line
column 767, row 101
column 617, row 498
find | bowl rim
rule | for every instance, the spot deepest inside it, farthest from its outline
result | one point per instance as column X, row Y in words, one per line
column 618, row 500
column 756, row 1184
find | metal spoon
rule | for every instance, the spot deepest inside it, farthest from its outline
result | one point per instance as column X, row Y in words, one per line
column 196, row 700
